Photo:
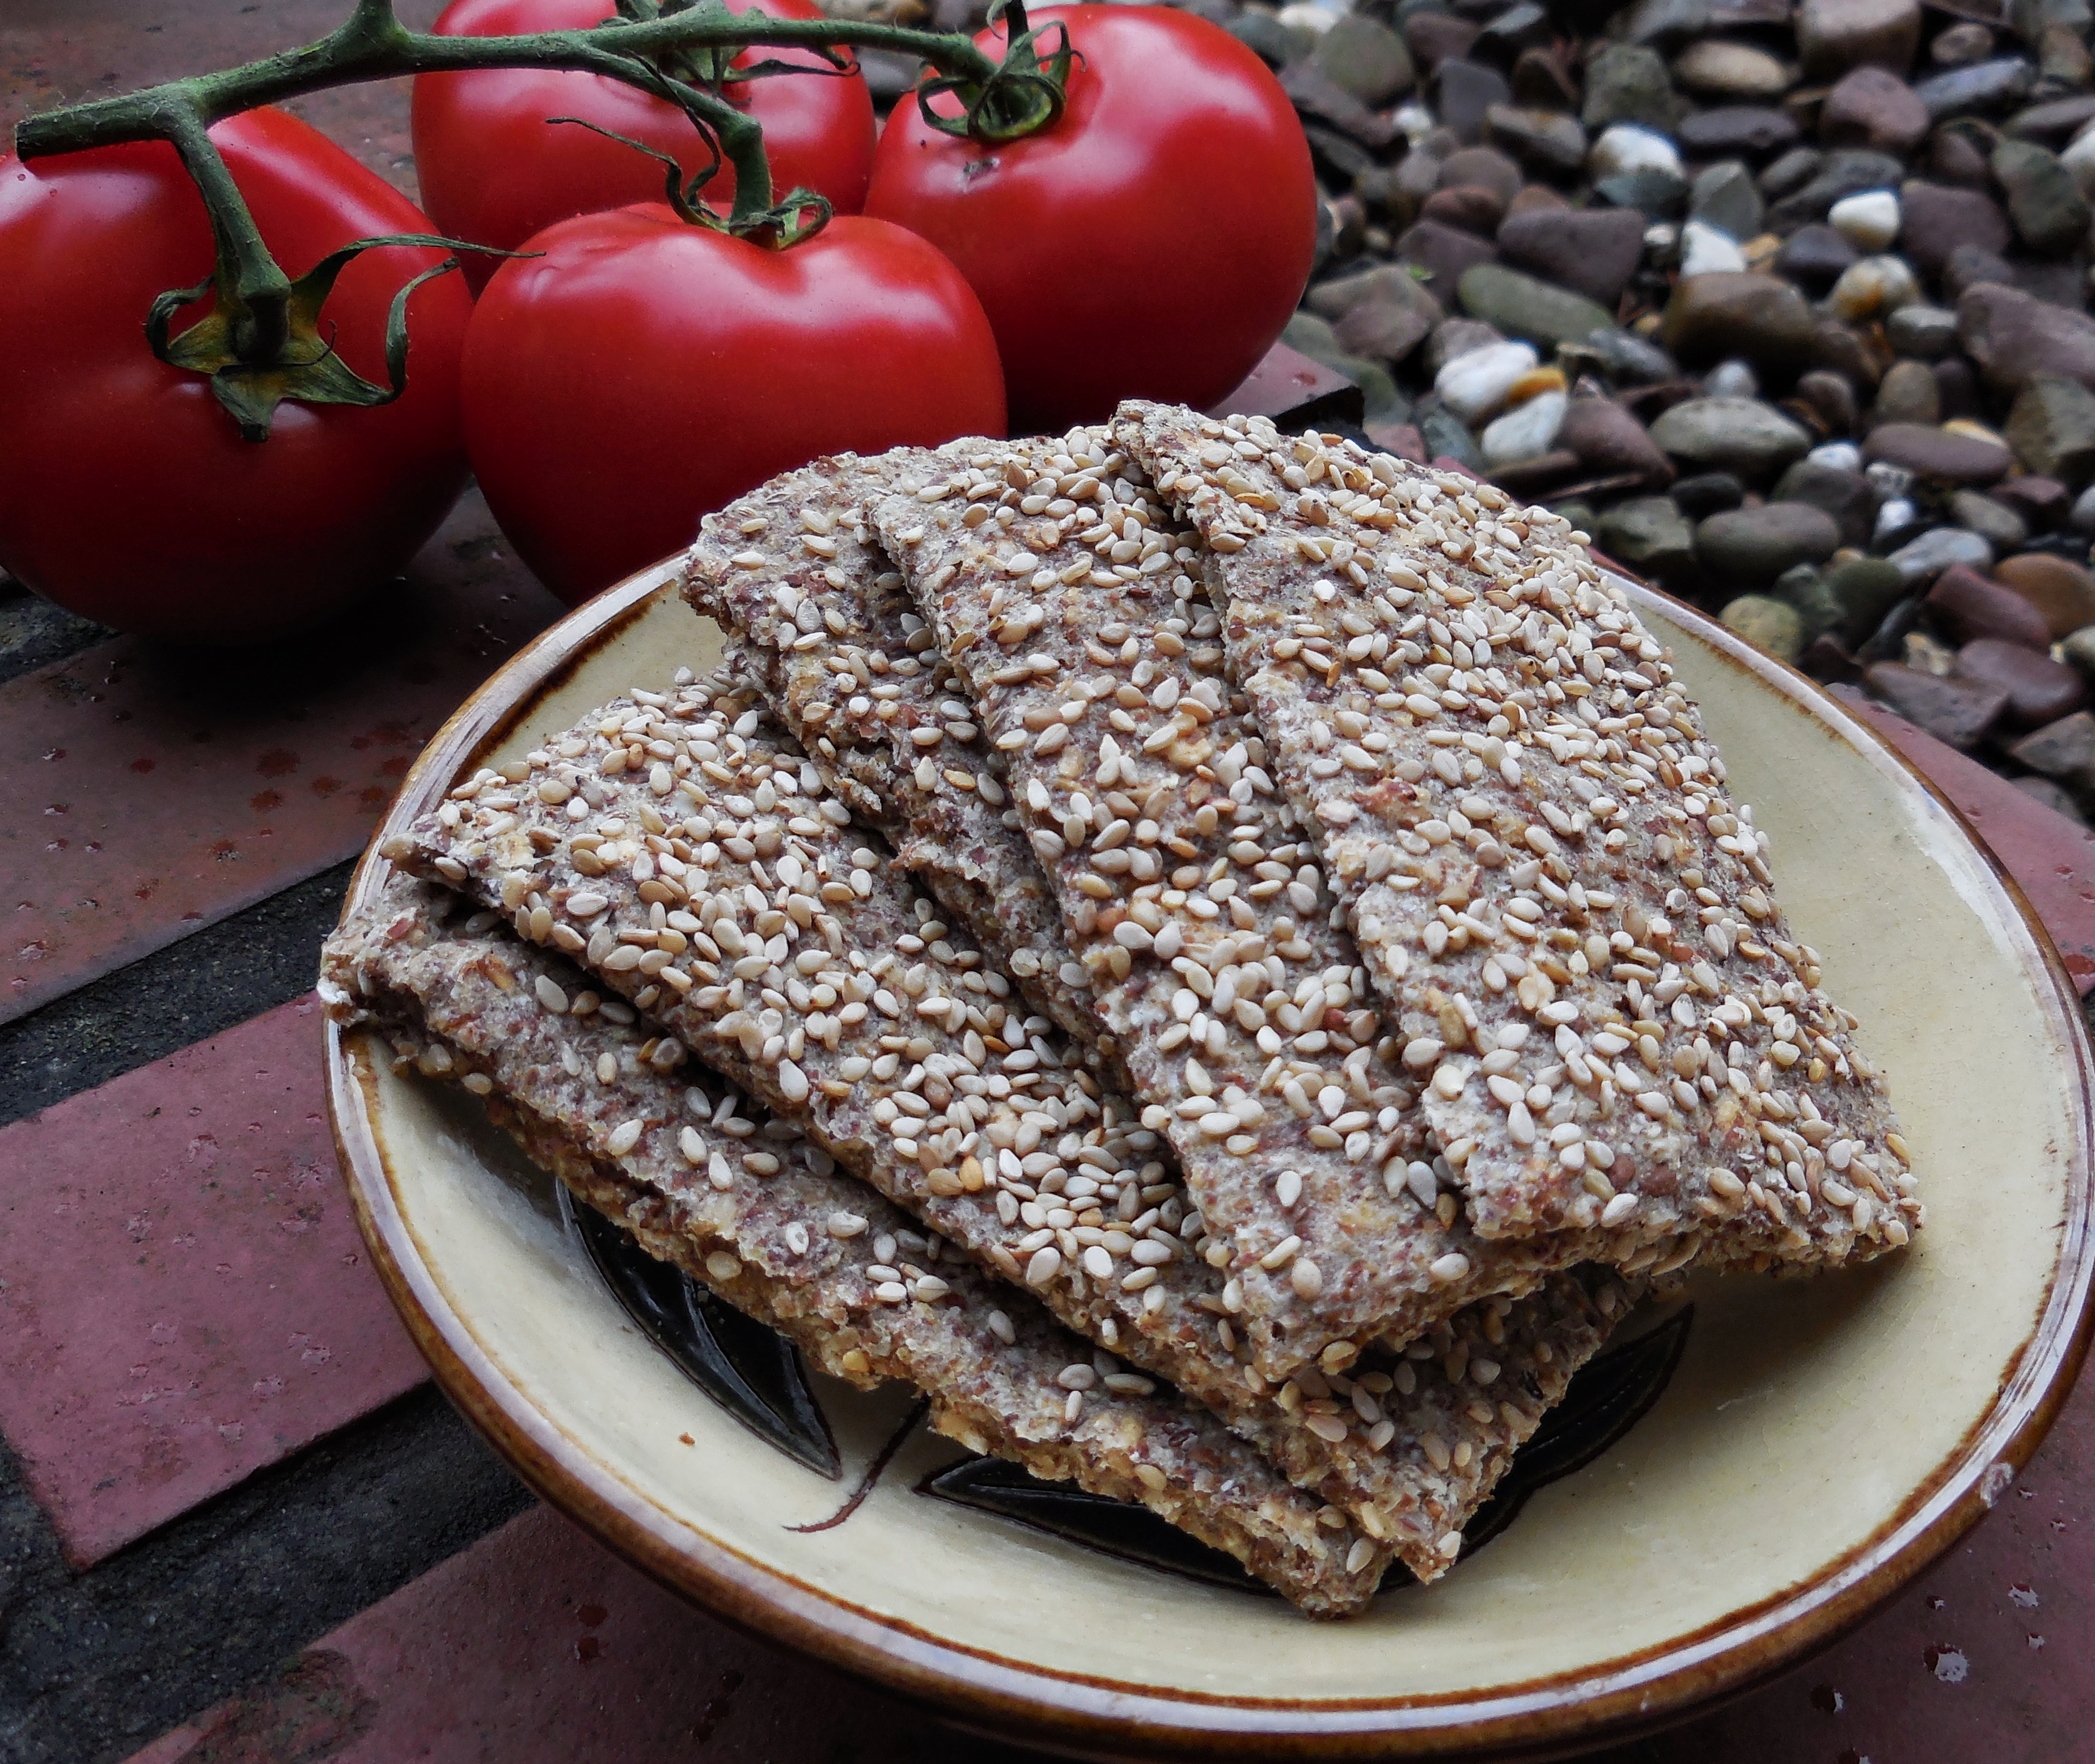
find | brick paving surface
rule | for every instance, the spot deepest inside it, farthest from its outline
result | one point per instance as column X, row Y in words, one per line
column 144, row 793
column 537, row 1647
column 184, row 1295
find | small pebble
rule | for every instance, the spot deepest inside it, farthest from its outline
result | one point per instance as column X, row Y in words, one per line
column 2000, row 526
column 1925, row 333
column 2062, row 590
column 1525, row 432
column 1877, row 284
column 1623, row 148
column 2039, row 690
column 1898, row 520
column 1476, row 385
column 1732, row 380
column 1772, row 626
column 1868, row 221
column 1923, row 559
column 1957, row 711
column 1706, row 250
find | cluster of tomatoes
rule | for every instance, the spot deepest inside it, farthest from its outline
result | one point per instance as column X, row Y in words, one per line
column 634, row 370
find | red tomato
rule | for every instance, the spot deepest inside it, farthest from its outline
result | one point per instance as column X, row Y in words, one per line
column 495, row 171
column 1150, row 243
column 128, row 495
column 643, row 371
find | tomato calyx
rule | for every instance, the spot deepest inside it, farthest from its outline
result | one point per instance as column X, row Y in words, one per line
column 1026, row 92
column 258, row 352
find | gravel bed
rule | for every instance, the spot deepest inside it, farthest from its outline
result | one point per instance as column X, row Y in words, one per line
column 1785, row 304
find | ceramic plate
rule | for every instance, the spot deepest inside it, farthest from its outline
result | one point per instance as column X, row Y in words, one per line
column 1816, row 1444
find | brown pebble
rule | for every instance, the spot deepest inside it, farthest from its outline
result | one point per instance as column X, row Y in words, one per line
column 2062, row 591
column 1536, row 199
column 2039, row 690
column 1610, row 441
column 2041, row 501
column 1873, row 107
column 1957, row 383
column 1433, row 37
column 1826, row 658
column 1487, row 168
column 1908, row 393
column 1939, row 453
column 1968, row 605
column 1957, row 711
column 1469, row 206
column 1528, row 478
column 2064, row 750
column 1830, row 398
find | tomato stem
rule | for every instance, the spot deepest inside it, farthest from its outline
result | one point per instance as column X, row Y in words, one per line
column 256, row 288
column 681, row 51
column 371, row 44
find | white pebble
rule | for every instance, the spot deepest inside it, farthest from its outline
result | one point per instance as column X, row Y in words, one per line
column 1706, row 250
column 1876, row 285
column 1474, row 383
column 1526, row 431
column 1868, row 220
column 1625, row 147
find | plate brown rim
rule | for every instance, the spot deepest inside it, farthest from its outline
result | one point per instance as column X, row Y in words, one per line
column 1611, row 1700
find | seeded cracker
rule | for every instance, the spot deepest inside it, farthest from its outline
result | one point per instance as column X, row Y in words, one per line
column 1061, row 593
column 884, row 1037
column 738, row 1201
column 1519, row 806
column 849, row 666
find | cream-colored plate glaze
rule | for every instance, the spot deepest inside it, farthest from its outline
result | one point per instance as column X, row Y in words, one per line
column 1819, row 1443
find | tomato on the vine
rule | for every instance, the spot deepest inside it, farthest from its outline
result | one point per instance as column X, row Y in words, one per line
column 128, row 495
column 1152, row 242
column 496, row 171
column 641, row 370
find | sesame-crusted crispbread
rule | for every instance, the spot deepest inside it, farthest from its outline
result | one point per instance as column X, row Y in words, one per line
column 1517, row 804
column 725, row 893
column 1070, row 602
column 742, row 1202
column 848, row 666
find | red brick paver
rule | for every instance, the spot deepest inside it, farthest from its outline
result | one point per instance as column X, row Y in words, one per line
column 535, row 1646
column 143, row 795
column 183, row 1296
column 1285, row 380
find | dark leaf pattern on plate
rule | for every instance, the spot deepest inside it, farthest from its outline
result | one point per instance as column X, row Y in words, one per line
column 750, row 1371
column 1610, row 1394
column 758, row 1378
column 1605, row 1400
column 1118, row 1528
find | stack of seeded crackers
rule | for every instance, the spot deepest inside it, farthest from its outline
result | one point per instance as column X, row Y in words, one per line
column 1223, row 959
